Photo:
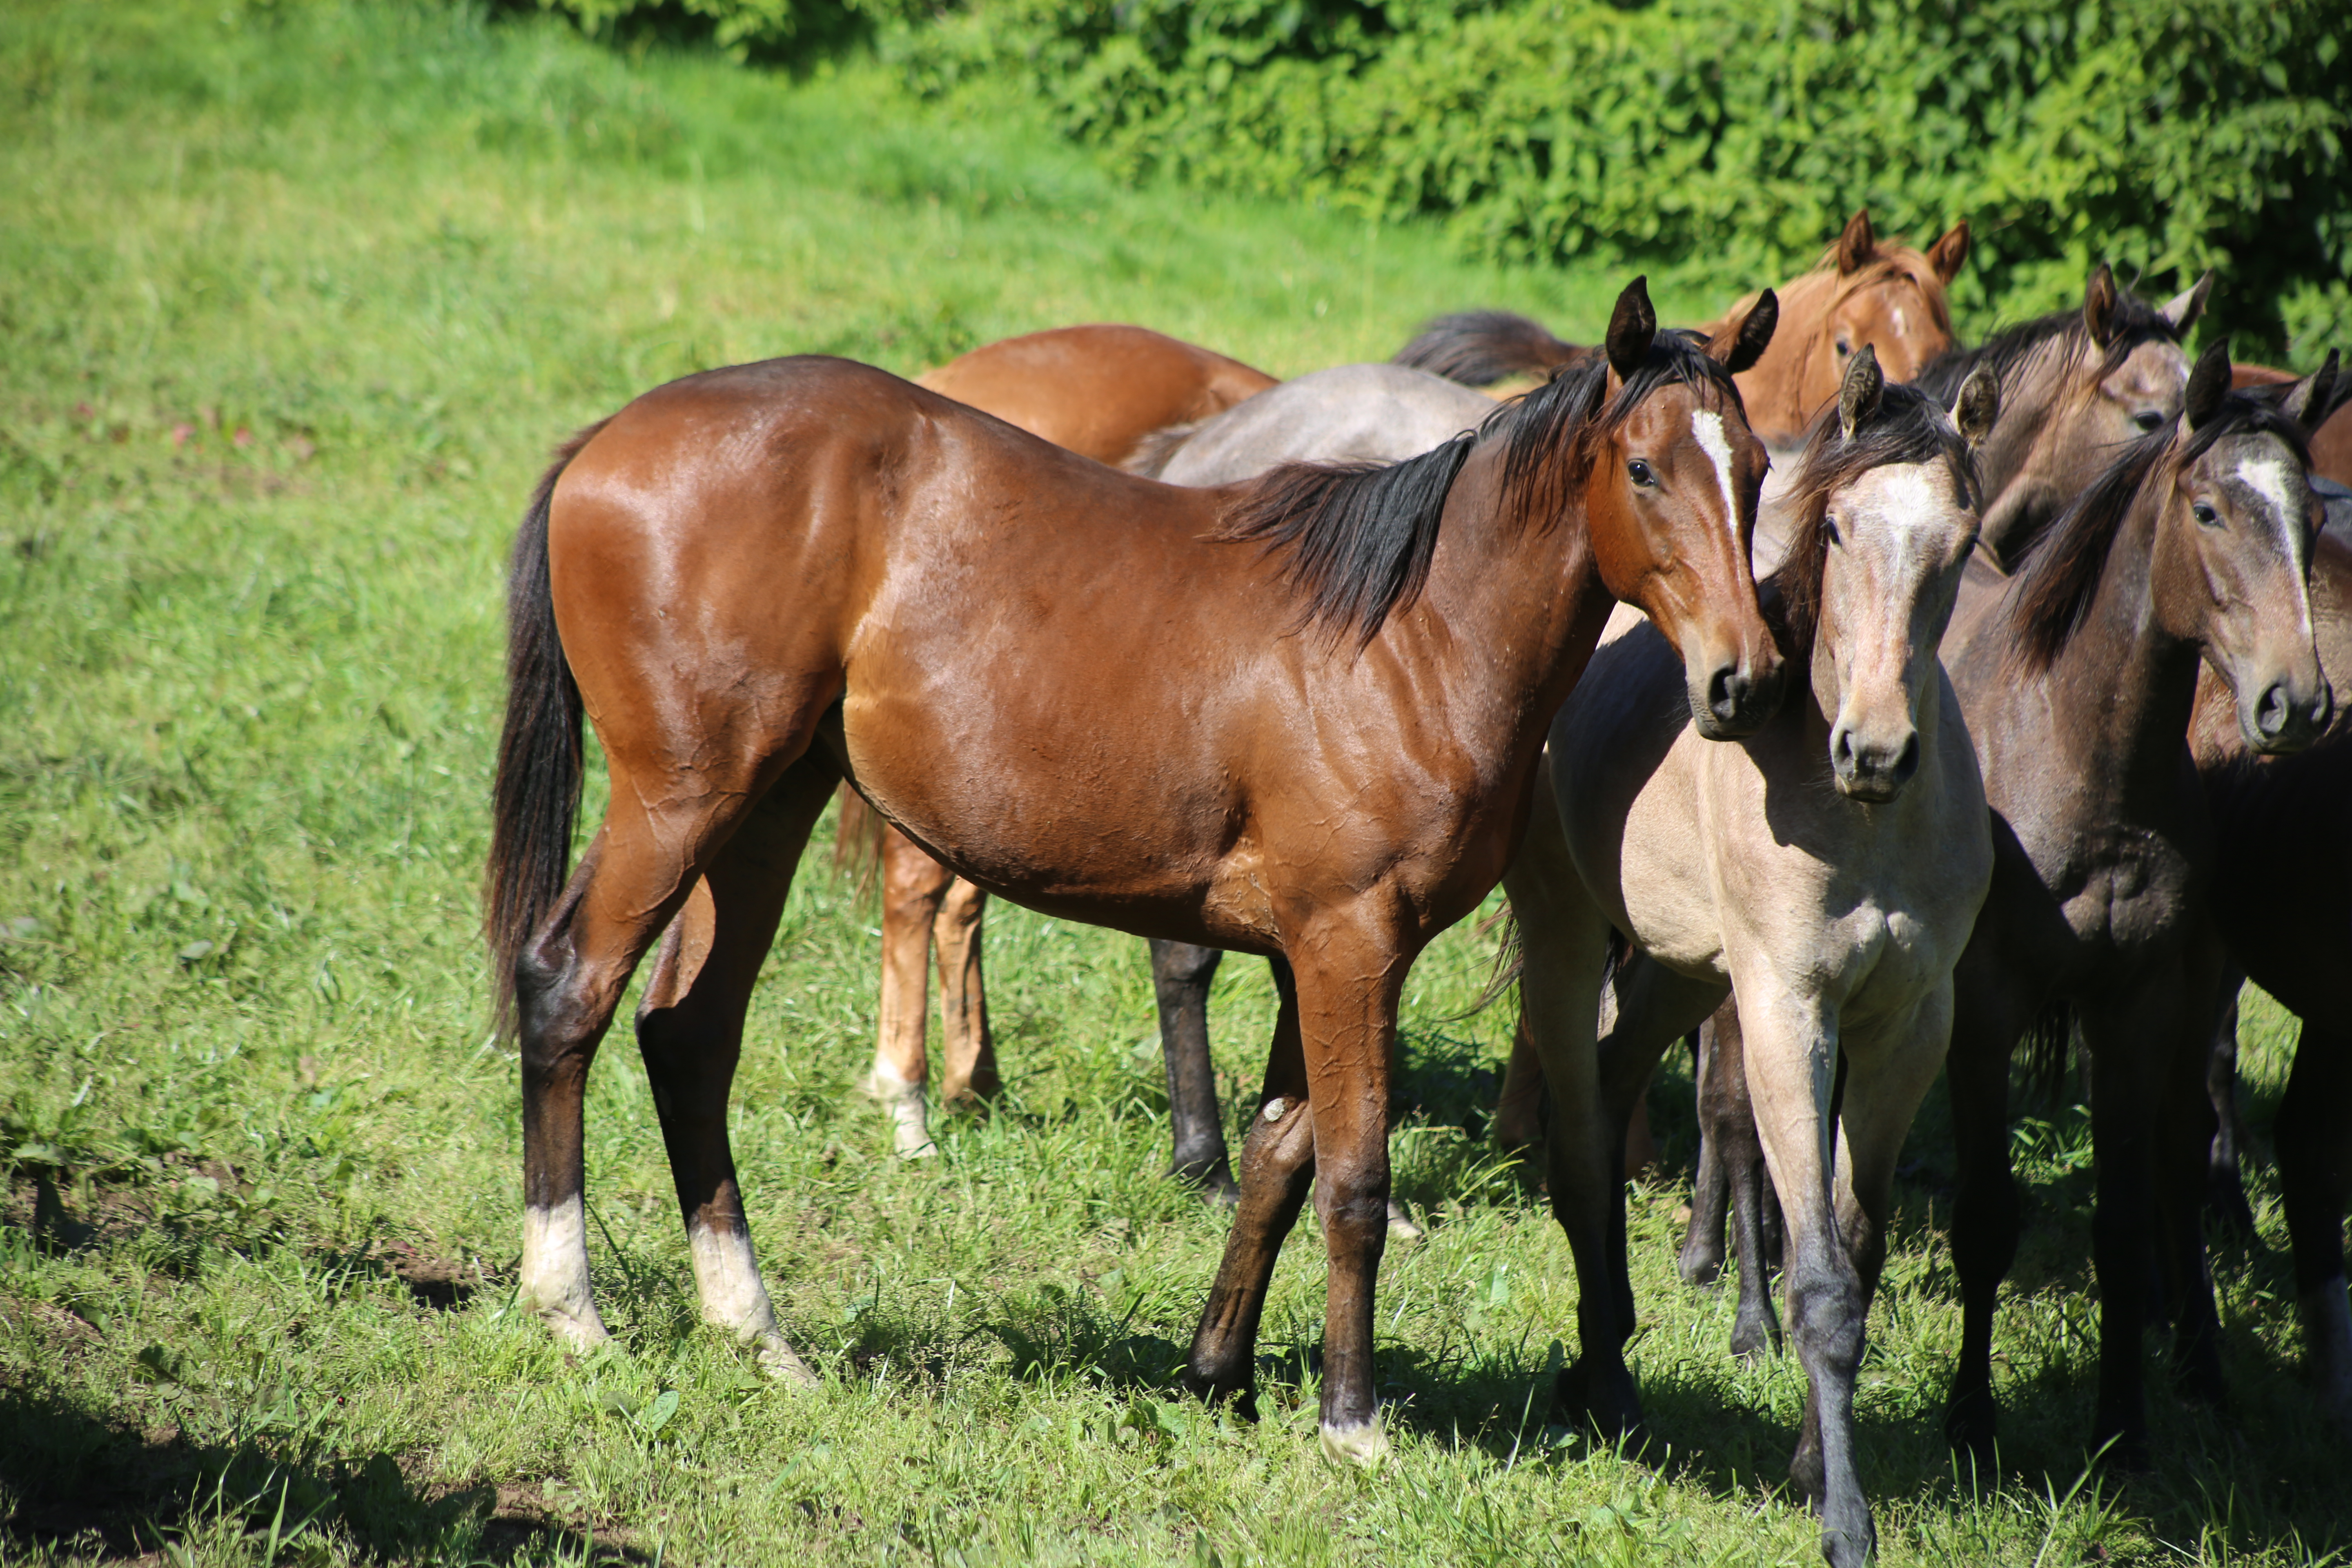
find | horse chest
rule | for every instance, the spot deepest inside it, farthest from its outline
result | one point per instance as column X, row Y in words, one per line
column 2125, row 892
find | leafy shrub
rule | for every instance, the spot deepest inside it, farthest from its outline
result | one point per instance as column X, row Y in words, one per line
column 1727, row 140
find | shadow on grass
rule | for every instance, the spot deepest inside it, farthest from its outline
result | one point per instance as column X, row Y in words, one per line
column 84, row 1485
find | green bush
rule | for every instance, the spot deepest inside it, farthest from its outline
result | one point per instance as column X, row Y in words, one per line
column 1726, row 140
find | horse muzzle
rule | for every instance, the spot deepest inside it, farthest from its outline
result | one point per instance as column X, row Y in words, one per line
column 1873, row 769
column 2286, row 717
column 1737, row 699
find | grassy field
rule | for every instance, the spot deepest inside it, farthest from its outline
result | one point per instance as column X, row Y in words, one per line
column 294, row 297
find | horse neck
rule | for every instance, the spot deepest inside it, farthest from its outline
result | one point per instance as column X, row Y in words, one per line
column 2030, row 399
column 1514, row 607
column 1774, row 387
column 2119, row 694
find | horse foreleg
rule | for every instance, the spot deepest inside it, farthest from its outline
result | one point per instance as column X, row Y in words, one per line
column 1985, row 1025
column 690, row 1034
column 1181, row 973
column 1277, row 1165
column 1348, row 982
column 971, row 1074
column 2314, row 1155
column 1702, row 1257
column 913, row 887
column 2185, row 1136
column 1731, row 1115
column 2225, row 1183
column 1790, row 1043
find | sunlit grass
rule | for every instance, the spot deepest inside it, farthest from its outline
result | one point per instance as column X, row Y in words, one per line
column 294, row 299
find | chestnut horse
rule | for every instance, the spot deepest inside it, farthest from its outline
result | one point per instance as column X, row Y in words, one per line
column 1100, row 391
column 1299, row 718
column 1885, row 296
column 1829, row 867
column 2078, row 678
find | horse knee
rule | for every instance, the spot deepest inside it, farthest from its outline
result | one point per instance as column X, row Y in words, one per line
column 1827, row 1316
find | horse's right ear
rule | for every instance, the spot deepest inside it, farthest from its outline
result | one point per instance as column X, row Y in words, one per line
column 2208, row 383
column 1857, row 245
column 2099, row 306
column 1739, row 347
column 1949, row 254
column 2183, row 308
column 1980, row 405
column 1632, row 327
column 1859, row 395
column 2311, row 393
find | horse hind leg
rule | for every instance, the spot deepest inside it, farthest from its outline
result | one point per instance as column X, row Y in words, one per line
column 2314, row 1156
column 2225, row 1184
column 1181, row 973
column 971, row 1077
column 913, row 887
column 1732, row 1116
column 690, row 1034
column 1701, row 1261
column 569, row 979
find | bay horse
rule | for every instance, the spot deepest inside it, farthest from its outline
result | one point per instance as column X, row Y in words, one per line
column 1102, row 390
column 2078, row 678
column 1829, row 868
column 1883, row 295
column 1299, row 718
column 2076, row 388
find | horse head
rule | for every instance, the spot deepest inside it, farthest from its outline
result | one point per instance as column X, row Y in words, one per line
column 1671, row 474
column 1885, row 517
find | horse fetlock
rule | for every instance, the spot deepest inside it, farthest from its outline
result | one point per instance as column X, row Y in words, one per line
column 1971, row 1426
column 1400, row 1224
column 1213, row 1175
column 555, row 1283
column 781, row 1362
column 1362, row 1446
column 1603, row 1397
column 1756, row 1331
column 1850, row 1545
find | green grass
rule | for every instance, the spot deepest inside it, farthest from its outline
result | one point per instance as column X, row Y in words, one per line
column 294, row 297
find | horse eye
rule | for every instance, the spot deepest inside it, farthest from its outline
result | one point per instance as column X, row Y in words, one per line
column 1844, row 348
column 1641, row 473
column 1829, row 529
column 2205, row 515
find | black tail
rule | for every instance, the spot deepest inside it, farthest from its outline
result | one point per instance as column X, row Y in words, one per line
column 536, row 798
column 1479, row 348
column 2045, row 1044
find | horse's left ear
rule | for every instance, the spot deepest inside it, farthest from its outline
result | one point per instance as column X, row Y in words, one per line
column 1632, row 327
column 1980, row 405
column 1740, row 345
column 1859, row 395
column 1949, row 254
column 2208, row 383
column 2311, row 393
column 1857, row 245
column 2183, row 308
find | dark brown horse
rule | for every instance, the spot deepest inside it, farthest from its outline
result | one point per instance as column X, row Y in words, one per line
column 1865, row 294
column 2078, row 678
column 1299, row 718
column 2076, row 389
column 2281, row 895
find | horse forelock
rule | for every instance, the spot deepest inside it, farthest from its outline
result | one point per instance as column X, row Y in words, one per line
column 1909, row 426
column 1553, row 435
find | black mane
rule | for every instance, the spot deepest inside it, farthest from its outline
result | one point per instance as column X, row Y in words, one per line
column 2005, row 353
column 1360, row 537
column 1479, row 348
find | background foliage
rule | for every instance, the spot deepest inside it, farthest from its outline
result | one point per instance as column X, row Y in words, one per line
column 1722, row 139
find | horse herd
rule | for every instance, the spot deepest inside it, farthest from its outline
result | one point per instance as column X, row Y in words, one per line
column 2002, row 720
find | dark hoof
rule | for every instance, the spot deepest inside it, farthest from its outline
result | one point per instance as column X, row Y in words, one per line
column 2124, row 1454
column 1213, row 1177
column 1241, row 1398
column 1605, row 1401
column 1699, row 1268
column 1754, row 1336
column 1809, row 1475
column 2227, row 1210
column 1850, row 1548
column 1970, row 1427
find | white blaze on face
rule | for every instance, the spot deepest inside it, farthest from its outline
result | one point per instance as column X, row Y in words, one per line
column 2274, row 482
column 1707, row 427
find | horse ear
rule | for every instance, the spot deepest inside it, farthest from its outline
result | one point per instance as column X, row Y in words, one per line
column 2099, row 306
column 1949, row 254
column 1740, row 346
column 1632, row 327
column 2183, row 308
column 2208, row 383
column 1857, row 245
column 2311, row 392
column 1978, row 406
column 1859, row 395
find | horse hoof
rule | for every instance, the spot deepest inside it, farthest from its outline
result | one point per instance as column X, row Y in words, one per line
column 1213, row 1178
column 1753, row 1340
column 2124, row 1453
column 1608, row 1402
column 1363, row 1447
column 779, row 1361
column 1850, row 1548
column 1401, row 1226
column 1238, row 1396
column 1970, row 1428
column 1699, row 1272
column 579, row 1328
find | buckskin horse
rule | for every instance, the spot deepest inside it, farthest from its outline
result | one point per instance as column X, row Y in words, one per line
column 1865, row 294
column 1299, row 718
column 1829, row 867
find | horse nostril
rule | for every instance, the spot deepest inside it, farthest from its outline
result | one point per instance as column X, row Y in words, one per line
column 2273, row 713
column 1727, row 692
column 1908, row 762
